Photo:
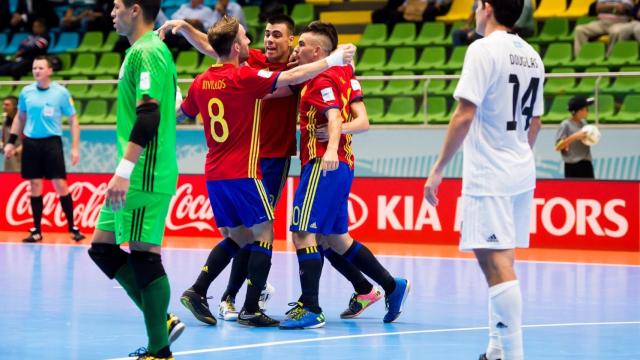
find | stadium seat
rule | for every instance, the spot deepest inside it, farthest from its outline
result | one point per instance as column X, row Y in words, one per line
column 577, row 8
column 587, row 85
column 557, row 54
column 258, row 39
column 109, row 64
column 403, row 34
column 6, row 90
column 375, row 109
column 84, row 64
column 109, row 43
column 373, row 35
column 623, row 53
column 4, row 40
column 79, row 91
column 558, row 110
column 401, row 109
column 437, row 112
column 372, row 59
column 456, row 59
column 184, row 88
column 629, row 111
column 432, row 33
column 66, row 42
column 431, row 58
column 65, row 61
column 553, row 30
column 187, row 61
column 102, row 91
column 13, row 45
column 435, row 87
column 625, row 84
column 372, row 87
column 302, row 15
column 459, row 11
column 94, row 112
column 606, row 106
column 399, row 87
column 591, row 54
column 549, row 9
column 557, row 86
column 252, row 15
column 91, row 41
column 402, row 58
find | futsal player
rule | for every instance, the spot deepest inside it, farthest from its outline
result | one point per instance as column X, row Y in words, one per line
column 500, row 96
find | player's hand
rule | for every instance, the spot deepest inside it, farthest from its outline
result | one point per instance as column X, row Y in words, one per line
column 349, row 51
column 75, row 157
column 171, row 25
column 9, row 150
column 293, row 59
column 322, row 133
column 117, row 192
column 431, row 187
column 330, row 161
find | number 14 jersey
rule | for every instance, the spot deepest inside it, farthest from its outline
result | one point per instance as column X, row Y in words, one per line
column 229, row 101
column 504, row 77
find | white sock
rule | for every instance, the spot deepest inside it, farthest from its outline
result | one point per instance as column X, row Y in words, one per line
column 506, row 305
column 494, row 349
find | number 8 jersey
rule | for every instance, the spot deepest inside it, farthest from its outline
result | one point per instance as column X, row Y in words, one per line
column 504, row 77
column 229, row 100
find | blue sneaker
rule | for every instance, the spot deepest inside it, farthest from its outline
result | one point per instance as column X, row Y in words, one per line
column 395, row 300
column 299, row 317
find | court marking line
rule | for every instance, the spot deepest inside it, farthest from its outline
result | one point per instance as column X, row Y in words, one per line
column 380, row 255
column 397, row 333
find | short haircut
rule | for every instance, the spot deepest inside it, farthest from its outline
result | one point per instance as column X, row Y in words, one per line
column 506, row 12
column 282, row 19
column 12, row 98
column 46, row 58
column 324, row 29
column 150, row 8
column 223, row 34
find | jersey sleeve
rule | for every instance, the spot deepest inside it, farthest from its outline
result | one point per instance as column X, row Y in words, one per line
column 476, row 75
column 323, row 94
column 149, row 73
column 189, row 105
column 260, row 82
column 22, row 102
column 66, row 107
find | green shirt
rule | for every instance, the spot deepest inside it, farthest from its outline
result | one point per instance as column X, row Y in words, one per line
column 148, row 69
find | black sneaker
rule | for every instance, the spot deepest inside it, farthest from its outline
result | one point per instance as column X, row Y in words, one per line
column 257, row 319
column 143, row 354
column 198, row 306
column 484, row 357
column 34, row 236
column 175, row 327
column 76, row 235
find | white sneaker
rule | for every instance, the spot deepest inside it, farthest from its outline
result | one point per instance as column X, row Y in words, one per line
column 265, row 296
column 227, row 310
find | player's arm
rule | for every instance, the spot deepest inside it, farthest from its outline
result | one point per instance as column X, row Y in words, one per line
column 16, row 129
column 195, row 37
column 306, row 72
column 330, row 159
column 74, row 124
column 563, row 144
column 359, row 121
column 456, row 132
column 534, row 130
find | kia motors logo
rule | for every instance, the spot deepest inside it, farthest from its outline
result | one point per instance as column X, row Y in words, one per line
column 358, row 211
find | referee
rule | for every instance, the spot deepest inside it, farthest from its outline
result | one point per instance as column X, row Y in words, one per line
column 40, row 109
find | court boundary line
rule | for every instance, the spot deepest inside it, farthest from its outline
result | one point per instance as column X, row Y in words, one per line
column 396, row 333
column 377, row 255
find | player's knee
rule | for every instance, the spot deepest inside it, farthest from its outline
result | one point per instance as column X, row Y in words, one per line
column 147, row 267
column 109, row 258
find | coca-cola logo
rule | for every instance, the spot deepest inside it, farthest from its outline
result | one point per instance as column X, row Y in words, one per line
column 189, row 210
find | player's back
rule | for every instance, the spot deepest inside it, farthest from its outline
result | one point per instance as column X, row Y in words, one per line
column 503, row 76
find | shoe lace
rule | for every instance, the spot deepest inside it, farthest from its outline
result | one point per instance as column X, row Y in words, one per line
column 230, row 304
column 295, row 311
column 141, row 351
column 353, row 301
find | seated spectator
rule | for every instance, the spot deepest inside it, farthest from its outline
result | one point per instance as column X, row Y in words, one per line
column 613, row 15
column 396, row 11
column 33, row 46
column 27, row 11
column 226, row 7
column 88, row 15
column 195, row 13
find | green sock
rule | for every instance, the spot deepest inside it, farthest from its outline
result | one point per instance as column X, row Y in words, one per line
column 125, row 278
column 155, row 302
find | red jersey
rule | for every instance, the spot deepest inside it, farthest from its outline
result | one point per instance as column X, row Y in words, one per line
column 279, row 115
column 229, row 101
column 335, row 88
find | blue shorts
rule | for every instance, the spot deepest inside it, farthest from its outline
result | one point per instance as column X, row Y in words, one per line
column 320, row 205
column 274, row 176
column 239, row 202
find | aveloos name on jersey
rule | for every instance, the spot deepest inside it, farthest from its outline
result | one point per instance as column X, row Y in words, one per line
column 213, row 84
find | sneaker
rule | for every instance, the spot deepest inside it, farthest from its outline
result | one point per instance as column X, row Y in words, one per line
column 300, row 317
column 395, row 300
column 198, row 306
column 143, row 354
column 34, row 236
column 76, row 235
column 265, row 296
column 484, row 357
column 359, row 302
column 258, row 319
column 175, row 327
column 227, row 310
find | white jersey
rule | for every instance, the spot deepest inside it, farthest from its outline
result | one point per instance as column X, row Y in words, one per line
column 504, row 77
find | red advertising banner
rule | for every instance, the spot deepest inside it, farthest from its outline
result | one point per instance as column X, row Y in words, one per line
column 598, row 215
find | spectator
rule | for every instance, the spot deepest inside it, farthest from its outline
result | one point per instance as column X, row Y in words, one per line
column 226, row 7
column 396, row 11
column 27, row 11
column 88, row 15
column 33, row 46
column 575, row 154
column 613, row 15
column 195, row 13
column 9, row 111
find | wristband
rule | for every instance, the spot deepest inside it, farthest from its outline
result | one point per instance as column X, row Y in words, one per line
column 335, row 59
column 12, row 139
column 125, row 168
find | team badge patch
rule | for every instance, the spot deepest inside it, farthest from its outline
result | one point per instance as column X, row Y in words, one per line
column 265, row 73
column 327, row 94
column 355, row 84
column 145, row 80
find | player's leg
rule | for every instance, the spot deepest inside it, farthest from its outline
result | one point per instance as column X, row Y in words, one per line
column 66, row 202
column 32, row 170
column 227, row 307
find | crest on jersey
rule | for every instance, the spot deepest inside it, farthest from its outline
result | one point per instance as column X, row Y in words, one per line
column 355, row 84
column 145, row 80
column 327, row 94
column 265, row 73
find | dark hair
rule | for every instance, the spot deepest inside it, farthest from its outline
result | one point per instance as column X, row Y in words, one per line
column 325, row 29
column 223, row 34
column 282, row 19
column 44, row 57
column 11, row 98
column 150, row 8
column 506, row 12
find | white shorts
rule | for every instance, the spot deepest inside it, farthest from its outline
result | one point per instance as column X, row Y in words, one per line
column 496, row 222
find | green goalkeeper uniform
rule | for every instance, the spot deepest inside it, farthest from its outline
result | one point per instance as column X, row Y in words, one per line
column 148, row 70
